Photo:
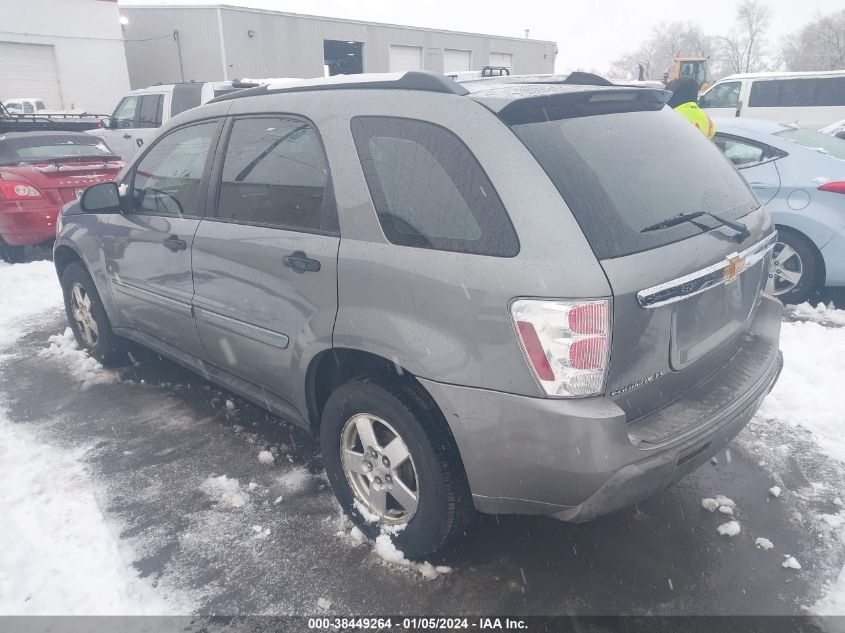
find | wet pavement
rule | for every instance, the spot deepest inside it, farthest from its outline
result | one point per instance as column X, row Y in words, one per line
column 161, row 432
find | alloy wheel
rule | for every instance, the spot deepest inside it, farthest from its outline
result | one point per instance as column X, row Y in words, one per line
column 86, row 325
column 786, row 269
column 379, row 468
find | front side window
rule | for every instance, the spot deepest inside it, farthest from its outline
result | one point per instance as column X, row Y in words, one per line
column 428, row 189
column 740, row 153
column 150, row 115
column 167, row 180
column 724, row 95
column 124, row 114
column 275, row 174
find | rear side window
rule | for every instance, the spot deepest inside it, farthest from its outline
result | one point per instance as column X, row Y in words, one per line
column 150, row 116
column 798, row 92
column 622, row 172
column 167, row 179
column 275, row 174
column 429, row 190
column 185, row 96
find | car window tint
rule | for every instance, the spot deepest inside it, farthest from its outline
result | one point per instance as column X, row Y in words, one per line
column 428, row 189
column 150, row 116
column 740, row 153
column 724, row 95
column 275, row 174
column 124, row 115
column 167, row 180
column 831, row 91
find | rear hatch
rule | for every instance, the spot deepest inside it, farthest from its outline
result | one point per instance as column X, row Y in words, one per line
column 683, row 293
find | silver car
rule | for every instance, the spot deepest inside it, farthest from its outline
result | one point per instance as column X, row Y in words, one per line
column 799, row 174
column 540, row 297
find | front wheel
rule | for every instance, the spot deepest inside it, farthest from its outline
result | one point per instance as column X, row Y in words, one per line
column 793, row 275
column 87, row 317
column 393, row 465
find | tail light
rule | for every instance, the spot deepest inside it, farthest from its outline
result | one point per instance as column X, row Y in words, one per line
column 566, row 343
column 833, row 187
column 10, row 190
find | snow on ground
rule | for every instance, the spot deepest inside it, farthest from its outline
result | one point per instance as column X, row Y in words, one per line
column 58, row 555
column 809, row 396
column 27, row 291
column 84, row 369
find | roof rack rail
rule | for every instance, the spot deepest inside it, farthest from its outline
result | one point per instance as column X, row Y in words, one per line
column 410, row 80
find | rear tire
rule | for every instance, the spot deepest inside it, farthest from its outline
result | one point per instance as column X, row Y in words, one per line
column 794, row 273
column 12, row 254
column 432, row 468
column 87, row 317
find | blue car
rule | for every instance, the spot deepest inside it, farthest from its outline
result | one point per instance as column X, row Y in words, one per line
column 799, row 174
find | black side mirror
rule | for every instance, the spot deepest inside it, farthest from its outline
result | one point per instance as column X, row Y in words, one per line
column 101, row 198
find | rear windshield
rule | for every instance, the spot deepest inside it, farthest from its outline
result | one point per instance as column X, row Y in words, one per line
column 623, row 171
column 34, row 149
column 823, row 143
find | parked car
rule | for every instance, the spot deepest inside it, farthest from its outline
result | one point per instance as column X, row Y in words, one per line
column 835, row 129
column 140, row 113
column 520, row 299
column 808, row 99
column 799, row 175
column 25, row 105
column 39, row 172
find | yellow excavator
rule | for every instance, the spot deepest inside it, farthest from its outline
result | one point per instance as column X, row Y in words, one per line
column 695, row 67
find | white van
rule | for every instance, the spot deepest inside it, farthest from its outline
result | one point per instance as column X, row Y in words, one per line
column 140, row 113
column 808, row 99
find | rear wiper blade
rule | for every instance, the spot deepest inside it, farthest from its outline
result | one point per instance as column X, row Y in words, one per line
column 690, row 216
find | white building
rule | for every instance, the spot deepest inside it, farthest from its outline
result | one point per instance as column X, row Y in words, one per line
column 67, row 52
column 171, row 43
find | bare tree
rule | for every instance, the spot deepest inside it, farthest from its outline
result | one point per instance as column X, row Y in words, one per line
column 658, row 52
column 741, row 51
column 818, row 46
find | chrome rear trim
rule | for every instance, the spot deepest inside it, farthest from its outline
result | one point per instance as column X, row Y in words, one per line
column 702, row 280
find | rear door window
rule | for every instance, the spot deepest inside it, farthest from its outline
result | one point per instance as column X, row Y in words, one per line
column 429, row 190
column 150, row 115
column 275, row 174
column 623, row 171
column 740, row 152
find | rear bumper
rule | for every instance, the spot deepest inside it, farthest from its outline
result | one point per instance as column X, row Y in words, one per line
column 578, row 459
column 28, row 224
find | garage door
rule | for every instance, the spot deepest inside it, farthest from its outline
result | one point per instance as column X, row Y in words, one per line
column 501, row 59
column 405, row 58
column 29, row 70
column 455, row 60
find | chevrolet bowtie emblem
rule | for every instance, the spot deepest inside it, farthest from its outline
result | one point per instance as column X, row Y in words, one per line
column 736, row 265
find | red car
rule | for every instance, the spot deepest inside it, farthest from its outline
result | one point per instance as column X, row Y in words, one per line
column 39, row 173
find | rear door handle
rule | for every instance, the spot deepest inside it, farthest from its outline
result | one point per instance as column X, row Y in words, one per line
column 174, row 244
column 300, row 263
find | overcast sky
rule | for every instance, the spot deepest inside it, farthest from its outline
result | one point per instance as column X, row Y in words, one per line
column 590, row 35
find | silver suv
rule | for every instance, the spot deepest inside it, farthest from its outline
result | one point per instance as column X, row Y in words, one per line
column 533, row 295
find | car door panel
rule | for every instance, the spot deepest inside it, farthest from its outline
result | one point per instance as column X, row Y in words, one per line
column 258, row 305
column 763, row 179
column 148, row 250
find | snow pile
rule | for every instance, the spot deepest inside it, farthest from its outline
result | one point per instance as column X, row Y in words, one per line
column 764, row 543
column 266, row 457
column 227, row 491
column 295, row 479
column 790, row 562
column 60, row 557
column 27, row 291
column 813, row 360
column 84, row 369
column 386, row 550
column 775, row 491
column 731, row 528
column 720, row 503
column 821, row 313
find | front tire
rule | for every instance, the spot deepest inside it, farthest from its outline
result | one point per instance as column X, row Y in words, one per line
column 87, row 317
column 794, row 272
column 392, row 464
